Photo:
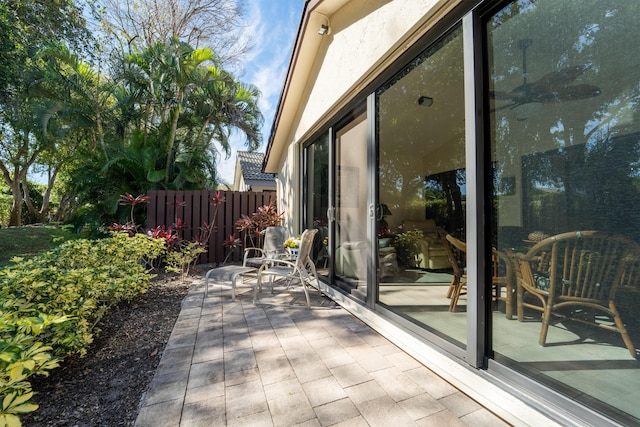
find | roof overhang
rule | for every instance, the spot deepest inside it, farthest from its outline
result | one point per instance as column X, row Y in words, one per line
column 303, row 58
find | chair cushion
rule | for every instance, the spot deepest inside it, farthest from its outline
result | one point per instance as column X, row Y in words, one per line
column 384, row 242
column 541, row 279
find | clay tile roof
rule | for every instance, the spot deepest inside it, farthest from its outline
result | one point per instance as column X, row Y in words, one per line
column 251, row 166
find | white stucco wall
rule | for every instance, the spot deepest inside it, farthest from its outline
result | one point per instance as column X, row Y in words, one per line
column 289, row 190
column 353, row 48
column 364, row 34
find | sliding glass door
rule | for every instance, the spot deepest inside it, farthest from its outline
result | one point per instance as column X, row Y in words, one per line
column 350, row 245
column 317, row 184
column 422, row 191
column 565, row 148
column 336, row 203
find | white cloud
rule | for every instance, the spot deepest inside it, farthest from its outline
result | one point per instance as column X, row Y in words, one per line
column 254, row 32
column 265, row 66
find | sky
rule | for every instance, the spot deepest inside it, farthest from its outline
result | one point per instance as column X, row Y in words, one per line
column 272, row 34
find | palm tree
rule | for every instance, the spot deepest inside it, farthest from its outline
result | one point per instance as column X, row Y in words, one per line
column 172, row 110
column 183, row 97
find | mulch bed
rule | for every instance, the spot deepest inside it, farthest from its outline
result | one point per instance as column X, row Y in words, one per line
column 105, row 387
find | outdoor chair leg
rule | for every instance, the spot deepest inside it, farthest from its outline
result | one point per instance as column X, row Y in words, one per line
column 623, row 331
column 315, row 277
column 304, row 288
column 258, row 287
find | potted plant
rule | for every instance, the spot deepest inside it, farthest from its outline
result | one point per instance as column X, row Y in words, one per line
column 407, row 246
column 292, row 244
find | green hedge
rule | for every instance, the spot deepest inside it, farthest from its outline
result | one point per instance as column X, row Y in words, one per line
column 50, row 306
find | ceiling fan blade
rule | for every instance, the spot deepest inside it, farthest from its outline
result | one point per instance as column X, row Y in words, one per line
column 552, row 87
column 571, row 93
column 558, row 79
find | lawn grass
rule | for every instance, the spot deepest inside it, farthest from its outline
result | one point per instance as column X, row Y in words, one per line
column 28, row 241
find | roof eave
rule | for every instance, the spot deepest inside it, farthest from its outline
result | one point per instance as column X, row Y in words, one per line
column 303, row 56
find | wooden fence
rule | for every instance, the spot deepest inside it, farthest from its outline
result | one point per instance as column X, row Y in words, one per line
column 195, row 207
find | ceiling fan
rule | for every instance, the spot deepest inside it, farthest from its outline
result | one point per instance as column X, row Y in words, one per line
column 552, row 87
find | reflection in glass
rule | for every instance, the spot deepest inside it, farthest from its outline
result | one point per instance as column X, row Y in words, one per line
column 564, row 89
column 422, row 188
column 317, row 161
column 351, row 207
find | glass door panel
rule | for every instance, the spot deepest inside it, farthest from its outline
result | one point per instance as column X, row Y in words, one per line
column 564, row 90
column 317, row 191
column 421, row 190
column 351, row 207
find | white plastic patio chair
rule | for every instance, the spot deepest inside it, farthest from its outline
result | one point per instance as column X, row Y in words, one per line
column 302, row 268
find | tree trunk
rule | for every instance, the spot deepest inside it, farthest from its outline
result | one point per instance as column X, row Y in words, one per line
column 46, row 198
column 41, row 214
column 61, row 212
column 15, row 219
column 26, row 196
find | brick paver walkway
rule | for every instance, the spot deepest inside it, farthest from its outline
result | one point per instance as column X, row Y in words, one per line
column 282, row 364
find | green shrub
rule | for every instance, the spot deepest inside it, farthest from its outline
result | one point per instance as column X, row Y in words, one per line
column 60, row 296
column 180, row 261
column 21, row 356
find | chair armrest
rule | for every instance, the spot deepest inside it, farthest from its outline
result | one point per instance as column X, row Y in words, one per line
column 246, row 254
column 268, row 262
column 279, row 255
column 247, row 250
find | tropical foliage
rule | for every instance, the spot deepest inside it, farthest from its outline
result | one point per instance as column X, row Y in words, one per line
column 156, row 115
column 172, row 110
column 28, row 27
column 252, row 227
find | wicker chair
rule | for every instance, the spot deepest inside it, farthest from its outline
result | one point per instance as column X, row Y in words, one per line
column 576, row 275
column 456, row 251
column 502, row 274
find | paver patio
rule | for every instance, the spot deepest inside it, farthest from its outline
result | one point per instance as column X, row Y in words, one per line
column 280, row 363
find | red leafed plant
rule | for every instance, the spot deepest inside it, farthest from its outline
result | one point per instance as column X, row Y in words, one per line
column 232, row 242
column 254, row 226
column 129, row 200
column 215, row 200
